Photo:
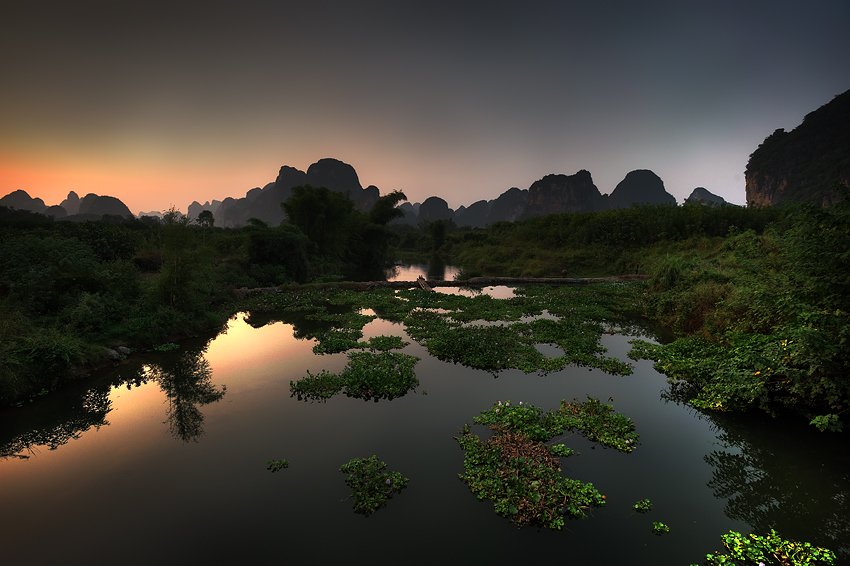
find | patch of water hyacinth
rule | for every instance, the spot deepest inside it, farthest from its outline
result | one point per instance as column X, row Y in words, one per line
column 368, row 376
column 371, row 485
column 520, row 474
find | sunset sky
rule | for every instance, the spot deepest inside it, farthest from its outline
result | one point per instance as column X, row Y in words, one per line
column 163, row 103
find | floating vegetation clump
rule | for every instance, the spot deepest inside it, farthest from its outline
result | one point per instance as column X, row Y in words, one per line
column 643, row 506
column 277, row 465
column 521, row 474
column 368, row 376
column 767, row 550
column 336, row 340
column 660, row 528
column 479, row 332
column 371, row 485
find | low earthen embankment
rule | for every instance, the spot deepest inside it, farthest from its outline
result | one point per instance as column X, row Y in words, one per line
column 475, row 282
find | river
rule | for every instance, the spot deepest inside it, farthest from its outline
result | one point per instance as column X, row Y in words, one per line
column 163, row 459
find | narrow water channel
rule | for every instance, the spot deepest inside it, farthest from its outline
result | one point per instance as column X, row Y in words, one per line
column 163, row 459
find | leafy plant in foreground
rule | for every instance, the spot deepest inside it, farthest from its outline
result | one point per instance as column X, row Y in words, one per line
column 768, row 550
column 371, row 486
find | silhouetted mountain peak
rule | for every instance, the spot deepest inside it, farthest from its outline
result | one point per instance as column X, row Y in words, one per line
column 703, row 195
column 640, row 186
column 21, row 200
column 558, row 194
column 334, row 175
column 71, row 204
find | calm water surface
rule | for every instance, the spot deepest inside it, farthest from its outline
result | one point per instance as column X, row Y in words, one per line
column 163, row 460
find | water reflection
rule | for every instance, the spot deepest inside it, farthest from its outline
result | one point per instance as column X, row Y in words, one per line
column 68, row 422
column 435, row 270
column 55, row 421
column 187, row 385
column 775, row 474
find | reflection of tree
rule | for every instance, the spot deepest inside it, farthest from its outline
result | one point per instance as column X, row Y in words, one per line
column 187, row 385
column 306, row 324
column 64, row 425
column 436, row 268
column 776, row 473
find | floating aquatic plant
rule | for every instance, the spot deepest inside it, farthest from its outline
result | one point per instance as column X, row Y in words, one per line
column 277, row 465
column 368, row 376
column 521, row 474
column 643, row 506
column 768, row 550
column 371, row 485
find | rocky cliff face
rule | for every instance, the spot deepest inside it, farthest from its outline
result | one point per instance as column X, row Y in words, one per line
column 558, row 194
column 509, row 207
column 801, row 165
column 641, row 186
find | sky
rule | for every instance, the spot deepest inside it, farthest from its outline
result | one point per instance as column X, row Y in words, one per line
column 161, row 103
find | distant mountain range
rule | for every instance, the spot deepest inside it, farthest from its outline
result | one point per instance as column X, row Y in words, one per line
column 90, row 207
column 553, row 194
column 795, row 166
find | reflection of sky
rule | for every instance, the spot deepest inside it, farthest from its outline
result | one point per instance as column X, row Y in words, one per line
column 246, row 357
column 412, row 272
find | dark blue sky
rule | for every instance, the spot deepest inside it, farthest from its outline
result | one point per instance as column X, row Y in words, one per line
column 162, row 103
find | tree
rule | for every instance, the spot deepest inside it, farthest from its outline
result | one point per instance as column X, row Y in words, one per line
column 183, row 282
column 324, row 216
column 206, row 219
column 384, row 211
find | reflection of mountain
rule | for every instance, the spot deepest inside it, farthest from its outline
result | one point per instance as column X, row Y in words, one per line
column 59, row 427
column 776, row 473
column 187, row 383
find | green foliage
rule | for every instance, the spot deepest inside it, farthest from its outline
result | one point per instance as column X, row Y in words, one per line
column 827, row 422
column 643, row 506
column 770, row 549
column 384, row 211
column 774, row 309
column 184, row 280
column 368, row 376
column 278, row 255
column 206, row 219
column 659, row 528
column 48, row 273
column 371, row 485
column 277, row 465
column 324, row 216
column 520, row 474
column 597, row 243
column 346, row 240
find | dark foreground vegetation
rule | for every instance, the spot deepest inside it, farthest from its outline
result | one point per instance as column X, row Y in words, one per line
column 73, row 294
column 755, row 300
